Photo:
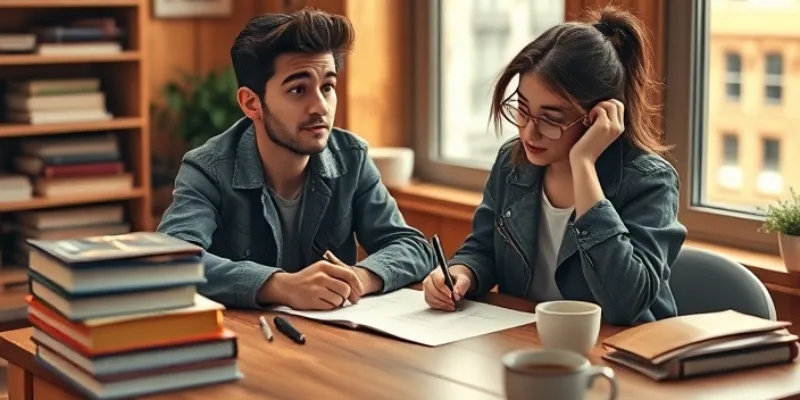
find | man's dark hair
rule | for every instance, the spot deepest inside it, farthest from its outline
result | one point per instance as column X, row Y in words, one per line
column 264, row 38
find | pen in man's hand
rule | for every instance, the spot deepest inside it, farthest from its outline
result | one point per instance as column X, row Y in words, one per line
column 265, row 328
column 331, row 258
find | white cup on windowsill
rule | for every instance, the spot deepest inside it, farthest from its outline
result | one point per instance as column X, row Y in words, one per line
column 396, row 164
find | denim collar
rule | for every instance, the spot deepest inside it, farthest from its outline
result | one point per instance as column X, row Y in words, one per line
column 248, row 173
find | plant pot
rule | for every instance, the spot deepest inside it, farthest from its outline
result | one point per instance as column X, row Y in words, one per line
column 790, row 251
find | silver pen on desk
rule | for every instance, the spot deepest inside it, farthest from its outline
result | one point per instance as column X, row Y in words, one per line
column 265, row 328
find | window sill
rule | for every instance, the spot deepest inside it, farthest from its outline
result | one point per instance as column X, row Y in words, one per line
column 459, row 204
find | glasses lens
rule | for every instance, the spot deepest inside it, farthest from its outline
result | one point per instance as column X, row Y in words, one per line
column 549, row 130
column 512, row 115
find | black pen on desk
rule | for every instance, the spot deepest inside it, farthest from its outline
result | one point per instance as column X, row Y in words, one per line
column 448, row 279
column 287, row 329
column 265, row 328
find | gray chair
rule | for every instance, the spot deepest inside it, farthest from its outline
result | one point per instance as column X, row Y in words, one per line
column 703, row 281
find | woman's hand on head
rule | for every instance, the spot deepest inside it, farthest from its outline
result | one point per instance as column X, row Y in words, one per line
column 608, row 123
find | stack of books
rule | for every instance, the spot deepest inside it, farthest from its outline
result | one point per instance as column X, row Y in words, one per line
column 693, row 345
column 119, row 316
column 80, row 37
column 73, row 165
column 44, row 101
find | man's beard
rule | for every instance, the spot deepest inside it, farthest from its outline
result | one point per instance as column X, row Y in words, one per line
column 282, row 136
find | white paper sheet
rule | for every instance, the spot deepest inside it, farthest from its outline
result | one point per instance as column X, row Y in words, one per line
column 404, row 314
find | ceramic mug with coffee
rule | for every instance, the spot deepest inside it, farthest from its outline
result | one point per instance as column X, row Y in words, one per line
column 568, row 325
column 552, row 374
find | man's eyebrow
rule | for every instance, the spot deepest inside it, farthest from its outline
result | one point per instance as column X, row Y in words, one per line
column 296, row 76
column 305, row 75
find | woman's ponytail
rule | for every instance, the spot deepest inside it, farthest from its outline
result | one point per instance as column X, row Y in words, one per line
column 628, row 36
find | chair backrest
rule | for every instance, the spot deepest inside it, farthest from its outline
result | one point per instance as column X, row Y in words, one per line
column 703, row 281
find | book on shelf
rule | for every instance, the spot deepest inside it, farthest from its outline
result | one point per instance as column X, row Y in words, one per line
column 62, row 223
column 73, row 165
column 701, row 344
column 78, row 49
column 84, row 36
column 15, row 43
column 66, row 187
column 87, row 36
column 51, row 87
column 42, row 101
column 119, row 351
column 15, row 187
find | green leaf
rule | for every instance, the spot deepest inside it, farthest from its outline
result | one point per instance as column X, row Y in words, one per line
column 784, row 217
column 198, row 107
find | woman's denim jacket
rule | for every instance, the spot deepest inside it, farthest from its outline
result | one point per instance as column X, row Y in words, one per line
column 618, row 254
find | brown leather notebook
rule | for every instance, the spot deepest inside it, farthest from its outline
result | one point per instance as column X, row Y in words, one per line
column 699, row 344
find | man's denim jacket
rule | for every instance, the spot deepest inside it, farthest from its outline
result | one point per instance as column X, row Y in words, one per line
column 617, row 255
column 221, row 203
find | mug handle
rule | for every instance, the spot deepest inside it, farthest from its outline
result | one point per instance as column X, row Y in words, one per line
column 607, row 373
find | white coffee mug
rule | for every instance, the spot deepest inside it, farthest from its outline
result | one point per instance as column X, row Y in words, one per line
column 568, row 325
column 552, row 375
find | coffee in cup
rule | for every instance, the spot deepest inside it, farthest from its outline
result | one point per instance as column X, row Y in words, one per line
column 568, row 325
column 551, row 374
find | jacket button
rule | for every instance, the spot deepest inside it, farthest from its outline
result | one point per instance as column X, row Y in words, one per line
column 508, row 213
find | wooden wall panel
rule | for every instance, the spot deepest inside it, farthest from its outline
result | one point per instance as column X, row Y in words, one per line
column 378, row 70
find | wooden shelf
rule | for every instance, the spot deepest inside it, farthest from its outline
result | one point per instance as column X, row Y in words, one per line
column 123, row 79
column 67, row 3
column 40, row 203
column 16, row 130
column 35, row 59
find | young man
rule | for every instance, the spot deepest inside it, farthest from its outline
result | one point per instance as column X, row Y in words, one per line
column 270, row 195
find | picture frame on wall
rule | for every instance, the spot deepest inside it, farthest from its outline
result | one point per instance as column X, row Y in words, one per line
column 192, row 8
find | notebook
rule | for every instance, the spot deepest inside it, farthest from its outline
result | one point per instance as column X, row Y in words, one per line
column 701, row 344
column 405, row 315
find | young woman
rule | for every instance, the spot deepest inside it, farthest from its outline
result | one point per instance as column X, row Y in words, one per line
column 580, row 206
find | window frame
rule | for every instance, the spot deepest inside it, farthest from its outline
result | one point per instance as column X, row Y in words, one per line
column 426, row 107
column 685, row 86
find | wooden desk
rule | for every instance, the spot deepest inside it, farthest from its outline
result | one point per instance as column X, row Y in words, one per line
column 338, row 363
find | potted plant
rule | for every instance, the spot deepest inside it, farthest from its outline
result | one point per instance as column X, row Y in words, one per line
column 784, row 218
column 199, row 107
column 194, row 108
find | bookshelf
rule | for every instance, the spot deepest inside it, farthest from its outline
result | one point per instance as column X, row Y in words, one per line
column 123, row 78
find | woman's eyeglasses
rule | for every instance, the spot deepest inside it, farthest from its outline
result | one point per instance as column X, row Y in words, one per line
column 521, row 118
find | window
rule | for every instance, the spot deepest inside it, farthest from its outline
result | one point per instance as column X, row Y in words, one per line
column 491, row 32
column 730, row 173
column 770, row 180
column 459, row 59
column 772, row 79
column 740, row 40
column 733, row 76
